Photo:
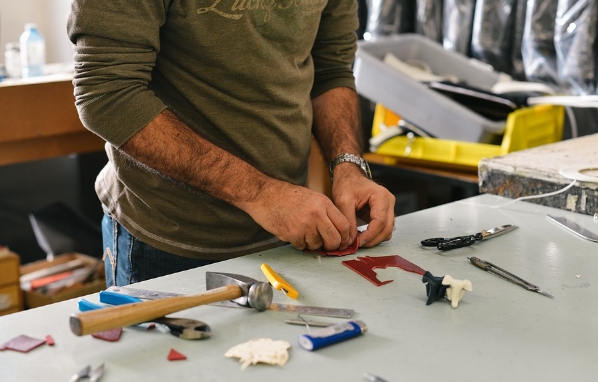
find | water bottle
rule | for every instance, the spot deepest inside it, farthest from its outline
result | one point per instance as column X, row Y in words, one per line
column 33, row 52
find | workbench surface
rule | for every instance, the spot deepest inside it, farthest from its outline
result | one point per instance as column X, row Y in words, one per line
column 499, row 331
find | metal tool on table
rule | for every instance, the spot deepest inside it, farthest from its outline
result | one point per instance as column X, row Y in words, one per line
column 496, row 270
column 278, row 307
column 574, row 227
column 373, row 378
column 278, row 282
column 308, row 323
column 242, row 290
column 87, row 374
column 446, row 244
column 312, row 310
column 184, row 328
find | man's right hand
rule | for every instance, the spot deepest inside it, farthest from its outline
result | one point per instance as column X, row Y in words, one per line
column 305, row 218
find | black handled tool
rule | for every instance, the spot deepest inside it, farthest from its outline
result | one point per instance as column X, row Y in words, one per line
column 445, row 244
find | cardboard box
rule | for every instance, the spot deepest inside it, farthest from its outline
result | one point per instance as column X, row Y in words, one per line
column 11, row 299
column 9, row 267
column 35, row 299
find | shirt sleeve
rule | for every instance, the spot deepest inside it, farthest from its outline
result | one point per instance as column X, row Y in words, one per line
column 333, row 52
column 115, row 48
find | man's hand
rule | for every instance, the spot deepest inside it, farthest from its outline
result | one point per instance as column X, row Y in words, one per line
column 302, row 217
column 357, row 196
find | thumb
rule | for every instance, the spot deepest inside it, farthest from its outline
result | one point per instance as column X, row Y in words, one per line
column 348, row 211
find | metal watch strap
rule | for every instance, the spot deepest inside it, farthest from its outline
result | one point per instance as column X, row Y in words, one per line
column 346, row 157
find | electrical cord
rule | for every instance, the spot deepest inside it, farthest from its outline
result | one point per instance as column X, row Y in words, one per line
column 538, row 196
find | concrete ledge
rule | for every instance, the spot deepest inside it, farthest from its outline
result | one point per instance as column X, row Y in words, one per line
column 536, row 171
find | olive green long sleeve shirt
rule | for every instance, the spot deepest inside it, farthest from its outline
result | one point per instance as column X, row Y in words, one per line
column 240, row 73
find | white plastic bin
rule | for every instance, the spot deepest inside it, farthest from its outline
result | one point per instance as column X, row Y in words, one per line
column 414, row 101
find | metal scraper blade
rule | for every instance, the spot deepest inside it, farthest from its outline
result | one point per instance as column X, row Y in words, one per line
column 142, row 293
column 312, row 310
column 574, row 227
column 298, row 309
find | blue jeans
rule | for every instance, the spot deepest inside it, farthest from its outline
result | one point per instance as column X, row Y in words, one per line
column 129, row 260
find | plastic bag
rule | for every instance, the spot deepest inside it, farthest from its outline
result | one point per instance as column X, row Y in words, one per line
column 428, row 19
column 517, row 69
column 387, row 17
column 537, row 46
column 492, row 34
column 457, row 24
column 574, row 40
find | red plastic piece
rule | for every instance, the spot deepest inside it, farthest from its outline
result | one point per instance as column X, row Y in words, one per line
column 365, row 266
column 175, row 356
column 22, row 343
column 112, row 335
column 348, row 251
column 49, row 340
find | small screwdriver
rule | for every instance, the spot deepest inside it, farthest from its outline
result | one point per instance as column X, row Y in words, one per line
column 373, row 378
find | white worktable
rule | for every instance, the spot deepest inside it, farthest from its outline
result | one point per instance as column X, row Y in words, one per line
column 499, row 332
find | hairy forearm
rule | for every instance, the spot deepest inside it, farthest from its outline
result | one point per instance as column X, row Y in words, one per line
column 170, row 147
column 336, row 124
column 302, row 217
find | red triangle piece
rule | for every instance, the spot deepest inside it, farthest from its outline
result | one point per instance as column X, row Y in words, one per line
column 112, row 335
column 175, row 356
column 49, row 340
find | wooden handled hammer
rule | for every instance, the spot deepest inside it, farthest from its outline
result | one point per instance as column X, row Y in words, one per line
column 220, row 287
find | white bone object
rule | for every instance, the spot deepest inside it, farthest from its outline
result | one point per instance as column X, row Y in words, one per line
column 456, row 289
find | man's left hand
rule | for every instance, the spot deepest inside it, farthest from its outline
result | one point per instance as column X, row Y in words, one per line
column 357, row 196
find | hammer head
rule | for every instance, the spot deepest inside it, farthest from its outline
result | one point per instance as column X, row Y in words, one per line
column 254, row 294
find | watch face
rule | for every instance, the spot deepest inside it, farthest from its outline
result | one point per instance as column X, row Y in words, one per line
column 366, row 168
column 362, row 163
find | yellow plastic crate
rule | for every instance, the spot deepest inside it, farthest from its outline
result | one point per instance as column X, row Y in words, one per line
column 525, row 128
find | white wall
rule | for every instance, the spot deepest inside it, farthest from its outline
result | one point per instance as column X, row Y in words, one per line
column 50, row 16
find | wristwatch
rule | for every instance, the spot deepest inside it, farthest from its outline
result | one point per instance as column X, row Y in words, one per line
column 362, row 163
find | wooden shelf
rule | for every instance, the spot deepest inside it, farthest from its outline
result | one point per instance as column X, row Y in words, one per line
column 39, row 120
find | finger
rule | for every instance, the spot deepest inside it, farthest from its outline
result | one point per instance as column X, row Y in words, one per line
column 331, row 236
column 375, row 234
column 381, row 225
column 368, row 237
column 313, row 241
column 300, row 244
column 337, row 235
column 347, row 211
column 380, row 232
